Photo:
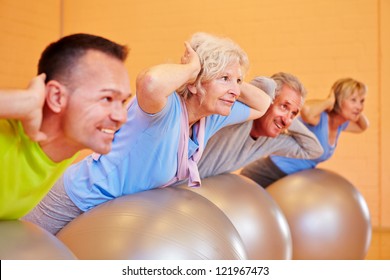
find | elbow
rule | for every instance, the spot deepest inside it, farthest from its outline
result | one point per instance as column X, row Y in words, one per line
column 146, row 83
column 364, row 128
column 366, row 124
column 305, row 112
column 363, row 123
column 315, row 153
column 306, row 115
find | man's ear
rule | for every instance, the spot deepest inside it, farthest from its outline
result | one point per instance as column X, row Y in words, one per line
column 56, row 97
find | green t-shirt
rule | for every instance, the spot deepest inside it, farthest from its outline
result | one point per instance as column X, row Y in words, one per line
column 26, row 172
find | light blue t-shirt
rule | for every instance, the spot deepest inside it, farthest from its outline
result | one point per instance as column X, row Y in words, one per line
column 144, row 154
column 321, row 130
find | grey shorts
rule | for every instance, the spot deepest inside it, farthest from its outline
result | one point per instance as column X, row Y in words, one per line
column 55, row 210
column 263, row 171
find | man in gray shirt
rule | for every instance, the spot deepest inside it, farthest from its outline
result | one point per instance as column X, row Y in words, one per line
column 276, row 132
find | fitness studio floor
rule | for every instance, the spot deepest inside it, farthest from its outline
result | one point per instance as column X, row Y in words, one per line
column 380, row 245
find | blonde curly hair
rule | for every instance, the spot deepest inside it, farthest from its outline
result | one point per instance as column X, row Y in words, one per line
column 215, row 54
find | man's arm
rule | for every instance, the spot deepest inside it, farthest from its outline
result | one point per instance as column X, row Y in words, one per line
column 26, row 106
column 297, row 142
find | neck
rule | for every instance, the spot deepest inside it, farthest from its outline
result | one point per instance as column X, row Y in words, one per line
column 256, row 131
column 57, row 147
column 194, row 110
column 335, row 120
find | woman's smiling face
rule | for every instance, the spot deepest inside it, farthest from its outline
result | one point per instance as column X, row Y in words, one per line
column 222, row 91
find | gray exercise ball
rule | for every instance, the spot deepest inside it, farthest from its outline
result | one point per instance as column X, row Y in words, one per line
column 257, row 218
column 22, row 240
column 327, row 215
column 158, row 224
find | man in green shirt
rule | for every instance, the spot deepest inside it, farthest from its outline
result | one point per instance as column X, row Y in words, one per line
column 77, row 102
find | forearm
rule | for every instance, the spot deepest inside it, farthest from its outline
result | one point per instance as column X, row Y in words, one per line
column 254, row 98
column 15, row 104
column 312, row 109
column 359, row 126
column 155, row 84
column 163, row 79
column 304, row 144
column 363, row 122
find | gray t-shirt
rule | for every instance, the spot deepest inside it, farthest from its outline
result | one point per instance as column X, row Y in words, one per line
column 232, row 148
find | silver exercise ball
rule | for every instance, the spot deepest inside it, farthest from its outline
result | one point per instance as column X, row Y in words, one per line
column 328, row 217
column 258, row 219
column 22, row 240
column 159, row 224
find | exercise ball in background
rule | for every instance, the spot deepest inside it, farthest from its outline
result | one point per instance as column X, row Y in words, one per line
column 328, row 217
column 157, row 224
column 22, row 240
column 257, row 218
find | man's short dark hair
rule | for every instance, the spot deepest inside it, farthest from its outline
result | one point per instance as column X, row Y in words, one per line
column 58, row 59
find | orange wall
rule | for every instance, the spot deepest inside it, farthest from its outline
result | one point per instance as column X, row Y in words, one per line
column 319, row 41
column 26, row 27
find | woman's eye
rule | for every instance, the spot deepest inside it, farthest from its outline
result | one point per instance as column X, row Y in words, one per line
column 239, row 81
column 107, row 98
